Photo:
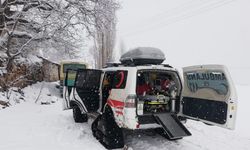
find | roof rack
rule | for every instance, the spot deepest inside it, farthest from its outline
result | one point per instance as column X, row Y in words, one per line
column 167, row 65
column 132, row 65
column 112, row 64
column 141, row 56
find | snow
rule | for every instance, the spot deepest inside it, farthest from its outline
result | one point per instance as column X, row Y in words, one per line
column 72, row 60
column 30, row 125
column 2, row 71
column 16, row 8
column 3, row 39
column 21, row 33
column 2, row 1
column 32, row 59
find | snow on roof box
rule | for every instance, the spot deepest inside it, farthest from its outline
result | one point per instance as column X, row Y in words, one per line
column 142, row 56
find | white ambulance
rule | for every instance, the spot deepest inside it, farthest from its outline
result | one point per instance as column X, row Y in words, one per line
column 141, row 91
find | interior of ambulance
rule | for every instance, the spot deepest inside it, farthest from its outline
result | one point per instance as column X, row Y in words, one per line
column 156, row 88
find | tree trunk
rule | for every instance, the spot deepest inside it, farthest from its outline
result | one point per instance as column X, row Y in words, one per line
column 1, row 18
column 10, row 64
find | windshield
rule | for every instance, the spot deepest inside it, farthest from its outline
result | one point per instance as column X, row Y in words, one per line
column 73, row 67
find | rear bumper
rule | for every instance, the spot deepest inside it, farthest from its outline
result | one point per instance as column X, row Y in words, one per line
column 146, row 119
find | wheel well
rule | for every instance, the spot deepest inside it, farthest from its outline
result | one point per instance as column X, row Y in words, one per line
column 108, row 108
column 75, row 104
column 110, row 112
column 72, row 104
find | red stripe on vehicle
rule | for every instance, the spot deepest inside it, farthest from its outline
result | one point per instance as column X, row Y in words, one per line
column 119, row 107
column 119, row 112
column 115, row 103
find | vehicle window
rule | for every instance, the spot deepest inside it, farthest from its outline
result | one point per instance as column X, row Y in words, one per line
column 207, row 80
column 73, row 67
column 88, row 79
column 70, row 77
column 120, row 79
column 108, row 80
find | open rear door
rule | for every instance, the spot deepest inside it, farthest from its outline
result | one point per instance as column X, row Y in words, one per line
column 68, row 84
column 87, row 87
column 209, row 95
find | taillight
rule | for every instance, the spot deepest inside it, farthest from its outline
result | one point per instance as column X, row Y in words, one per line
column 130, row 101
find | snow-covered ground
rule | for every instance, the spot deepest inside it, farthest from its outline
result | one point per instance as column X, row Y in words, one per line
column 32, row 126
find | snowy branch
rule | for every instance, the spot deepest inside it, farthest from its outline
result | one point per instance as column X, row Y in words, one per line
column 21, row 49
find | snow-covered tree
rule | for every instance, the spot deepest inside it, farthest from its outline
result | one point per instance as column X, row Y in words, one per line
column 53, row 27
column 45, row 26
column 106, row 31
column 32, row 26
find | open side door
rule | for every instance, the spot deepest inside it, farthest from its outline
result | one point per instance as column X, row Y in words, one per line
column 69, row 83
column 209, row 95
column 87, row 87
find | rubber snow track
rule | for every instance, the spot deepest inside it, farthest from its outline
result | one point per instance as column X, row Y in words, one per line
column 30, row 126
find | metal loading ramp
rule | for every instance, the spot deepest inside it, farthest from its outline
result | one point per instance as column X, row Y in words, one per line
column 172, row 125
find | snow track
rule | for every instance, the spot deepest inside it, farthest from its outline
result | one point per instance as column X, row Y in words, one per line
column 31, row 126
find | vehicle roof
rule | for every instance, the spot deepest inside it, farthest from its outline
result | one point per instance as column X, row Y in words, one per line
column 144, row 67
column 72, row 62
